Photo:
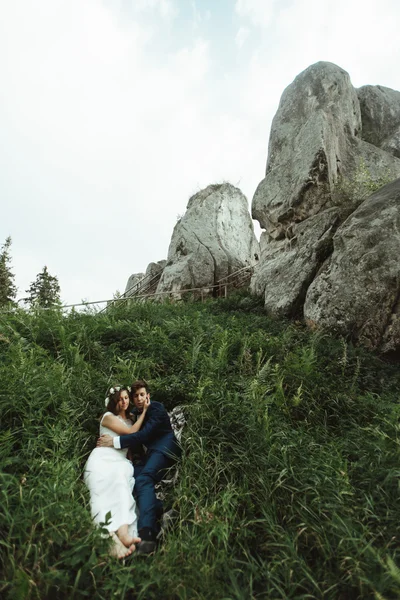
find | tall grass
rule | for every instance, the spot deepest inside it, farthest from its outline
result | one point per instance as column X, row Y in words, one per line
column 289, row 481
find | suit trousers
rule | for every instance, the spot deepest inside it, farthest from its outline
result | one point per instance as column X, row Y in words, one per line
column 147, row 473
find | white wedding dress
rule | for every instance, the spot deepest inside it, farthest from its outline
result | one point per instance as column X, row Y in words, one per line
column 109, row 476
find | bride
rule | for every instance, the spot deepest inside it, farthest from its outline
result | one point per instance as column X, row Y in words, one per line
column 109, row 475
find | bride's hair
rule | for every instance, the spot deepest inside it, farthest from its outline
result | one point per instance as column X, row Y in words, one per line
column 113, row 396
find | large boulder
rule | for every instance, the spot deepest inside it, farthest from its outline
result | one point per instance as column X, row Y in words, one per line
column 155, row 268
column 314, row 143
column 319, row 169
column 380, row 114
column 357, row 292
column 132, row 284
column 214, row 238
column 144, row 283
column 290, row 265
column 153, row 274
column 308, row 147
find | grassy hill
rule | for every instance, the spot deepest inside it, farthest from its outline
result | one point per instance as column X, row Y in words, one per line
column 289, row 482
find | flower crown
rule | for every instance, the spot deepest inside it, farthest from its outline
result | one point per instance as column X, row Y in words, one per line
column 112, row 391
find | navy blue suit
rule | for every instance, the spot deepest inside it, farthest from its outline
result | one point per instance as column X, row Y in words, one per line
column 162, row 451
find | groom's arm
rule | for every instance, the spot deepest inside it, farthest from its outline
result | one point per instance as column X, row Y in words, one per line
column 156, row 414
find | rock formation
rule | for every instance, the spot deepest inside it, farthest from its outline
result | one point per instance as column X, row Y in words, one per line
column 315, row 141
column 155, row 269
column 324, row 135
column 380, row 115
column 214, row 238
column 357, row 292
column 132, row 284
column 142, row 283
column 287, row 267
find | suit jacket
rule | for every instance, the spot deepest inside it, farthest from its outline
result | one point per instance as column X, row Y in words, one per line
column 156, row 433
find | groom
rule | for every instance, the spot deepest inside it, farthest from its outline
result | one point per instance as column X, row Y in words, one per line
column 162, row 450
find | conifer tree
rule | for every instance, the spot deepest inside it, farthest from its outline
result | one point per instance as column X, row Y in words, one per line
column 8, row 290
column 44, row 291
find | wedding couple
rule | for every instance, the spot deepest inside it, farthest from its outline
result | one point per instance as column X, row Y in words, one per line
column 148, row 438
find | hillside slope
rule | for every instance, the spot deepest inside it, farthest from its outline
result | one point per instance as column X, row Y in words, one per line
column 288, row 486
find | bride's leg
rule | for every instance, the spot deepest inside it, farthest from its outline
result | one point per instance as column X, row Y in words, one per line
column 124, row 536
column 118, row 549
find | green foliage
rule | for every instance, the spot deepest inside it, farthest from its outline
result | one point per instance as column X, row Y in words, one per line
column 289, row 480
column 44, row 292
column 8, row 290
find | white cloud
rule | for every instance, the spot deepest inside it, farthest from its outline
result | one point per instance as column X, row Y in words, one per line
column 259, row 12
column 167, row 9
column 200, row 17
column 359, row 41
column 241, row 36
column 298, row 33
column 196, row 13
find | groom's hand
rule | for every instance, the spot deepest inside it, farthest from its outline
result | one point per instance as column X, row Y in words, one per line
column 105, row 441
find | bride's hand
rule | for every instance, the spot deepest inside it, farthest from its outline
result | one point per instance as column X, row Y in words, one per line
column 146, row 404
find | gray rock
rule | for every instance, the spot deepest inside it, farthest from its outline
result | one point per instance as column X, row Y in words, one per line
column 145, row 283
column 319, row 170
column 133, row 283
column 214, row 238
column 155, row 268
column 380, row 114
column 287, row 267
column 308, row 147
column 357, row 292
column 149, row 283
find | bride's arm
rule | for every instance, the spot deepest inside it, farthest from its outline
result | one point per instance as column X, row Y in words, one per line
column 113, row 423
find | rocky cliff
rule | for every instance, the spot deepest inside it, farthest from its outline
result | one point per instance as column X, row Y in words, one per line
column 357, row 291
column 329, row 145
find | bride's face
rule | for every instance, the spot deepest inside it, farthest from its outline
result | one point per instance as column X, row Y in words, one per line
column 123, row 401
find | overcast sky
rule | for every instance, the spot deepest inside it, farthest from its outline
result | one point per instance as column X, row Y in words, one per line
column 114, row 112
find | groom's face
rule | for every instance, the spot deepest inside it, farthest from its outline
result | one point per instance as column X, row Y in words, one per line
column 139, row 397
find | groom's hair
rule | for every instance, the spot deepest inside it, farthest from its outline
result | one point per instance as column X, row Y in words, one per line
column 137, row 385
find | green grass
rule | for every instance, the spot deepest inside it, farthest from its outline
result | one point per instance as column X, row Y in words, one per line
column 289, row 481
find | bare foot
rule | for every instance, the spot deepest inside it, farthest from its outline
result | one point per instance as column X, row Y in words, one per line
column 124, row 536
column 118, row 549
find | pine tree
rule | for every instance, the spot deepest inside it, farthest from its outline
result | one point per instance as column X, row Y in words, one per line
column 44, row 291
column 8, row 290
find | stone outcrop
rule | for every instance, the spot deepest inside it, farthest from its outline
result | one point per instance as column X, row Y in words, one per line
column 309, row 147
column 154, row 269
column 214, row 238
column 315, row 141
column 132, row 283
column 318, row 151
column 289, row 266
column 357, row 292
column 380, row 115
column 142, row 283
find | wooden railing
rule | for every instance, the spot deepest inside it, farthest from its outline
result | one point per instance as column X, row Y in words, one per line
column 236, row 280
column 146, row 285
column 145, row 289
